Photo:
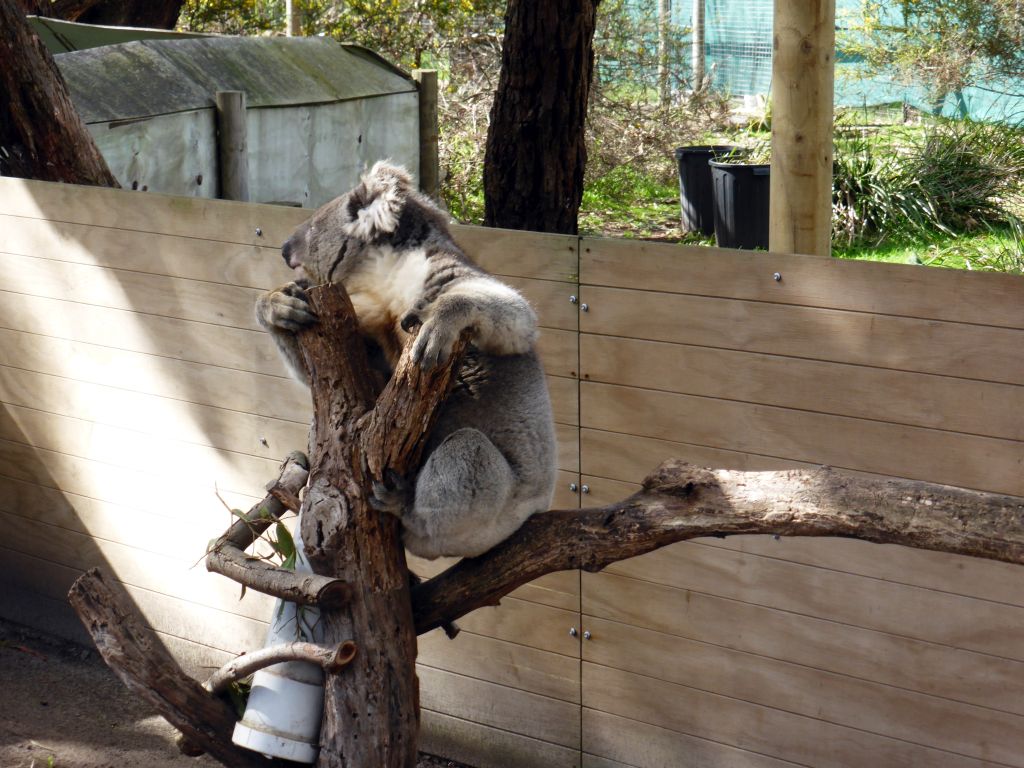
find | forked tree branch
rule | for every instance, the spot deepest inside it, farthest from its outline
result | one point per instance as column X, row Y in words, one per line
column 680, row 502
column 227, row 555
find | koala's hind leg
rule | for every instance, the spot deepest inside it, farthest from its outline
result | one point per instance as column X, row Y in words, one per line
column 461, row 500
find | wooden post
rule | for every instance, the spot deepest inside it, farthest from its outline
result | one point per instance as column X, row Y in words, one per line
column 293, row 26
column 232, row 145
column 664, row 22
column 429, row 171
column 697, row 47
column 803, row 67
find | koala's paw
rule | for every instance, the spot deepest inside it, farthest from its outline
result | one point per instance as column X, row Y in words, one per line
column 433, row 344
column 286, row 307
column 393, row 497
column 413, row 319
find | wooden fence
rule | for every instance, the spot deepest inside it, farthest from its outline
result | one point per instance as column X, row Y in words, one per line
column 136, row 388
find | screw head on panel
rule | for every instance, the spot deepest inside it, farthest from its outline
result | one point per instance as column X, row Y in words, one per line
column 573, row 487
column 777, row 277
column 585, row 307
column 585, row 489
column 587, row 635
column 259, row 231
column 572, row 632
column 573, row 299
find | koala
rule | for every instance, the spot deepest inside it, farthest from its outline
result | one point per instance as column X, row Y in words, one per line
column 489, row 461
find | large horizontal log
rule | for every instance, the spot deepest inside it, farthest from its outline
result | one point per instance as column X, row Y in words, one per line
column 680, row 502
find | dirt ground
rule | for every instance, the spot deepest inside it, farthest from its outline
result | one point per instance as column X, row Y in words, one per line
column 61, row 707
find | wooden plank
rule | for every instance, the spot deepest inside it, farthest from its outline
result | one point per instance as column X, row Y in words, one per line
column 213, row 303
column 565, row 497
column 592, row 761
column 924, row 614
column 898, row 397
column 116, row 485
column 652, row 747
column 56, row 617
column 629, row 459
column 185, row 539
column 486, row 747
column 559, row 352
column 166, row 614
column 160, row 417
column 182, row 256
column 540, row 717
column 939, row 670
column 984, row 298
column 568, row 438
column 497, row 661
column 264, row 395
column 856, row 337
column 764, row 730
column 957, row 574
column 175, row 576
column 201, row 218
column 980, row 732
column 217, row 345
column 513, row 253
column 565, row 399
column 550, row 300
column 165, row 461
column 968, row 461
column 526, row 623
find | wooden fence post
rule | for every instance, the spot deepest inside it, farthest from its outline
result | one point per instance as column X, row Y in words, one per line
column 232, row 145
column 803, row 69
column 429, row 171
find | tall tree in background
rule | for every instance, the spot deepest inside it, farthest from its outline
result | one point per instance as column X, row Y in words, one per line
column 536, row 150
column 41, row 134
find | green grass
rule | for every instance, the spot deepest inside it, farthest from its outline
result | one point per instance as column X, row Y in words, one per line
column 995, row 250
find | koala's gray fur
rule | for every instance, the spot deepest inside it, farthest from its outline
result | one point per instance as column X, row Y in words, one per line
column 490, row 460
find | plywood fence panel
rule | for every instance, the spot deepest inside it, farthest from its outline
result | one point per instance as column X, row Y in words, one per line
column 486, row 747
column 880, row 709
column 895, row 397
column 984, row 353
column 969, row 461
column 886, row 289
column 804, row 740
column 646, row 745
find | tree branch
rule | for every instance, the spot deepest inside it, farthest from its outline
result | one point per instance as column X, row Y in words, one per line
column 328, row 659
column 227, row 555
column 135, row 654
column 680, row 502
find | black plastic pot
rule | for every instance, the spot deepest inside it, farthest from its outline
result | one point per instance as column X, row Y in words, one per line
column 741, row 195
column 695, row 186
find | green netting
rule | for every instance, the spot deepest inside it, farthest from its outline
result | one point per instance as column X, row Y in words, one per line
column 738, row 56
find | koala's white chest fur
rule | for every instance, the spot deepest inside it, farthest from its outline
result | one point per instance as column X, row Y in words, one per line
column 384, row 287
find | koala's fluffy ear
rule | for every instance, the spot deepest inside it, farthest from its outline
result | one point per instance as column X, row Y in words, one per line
column 376, row 204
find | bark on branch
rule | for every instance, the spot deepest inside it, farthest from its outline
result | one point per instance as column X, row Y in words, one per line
column 680, row 502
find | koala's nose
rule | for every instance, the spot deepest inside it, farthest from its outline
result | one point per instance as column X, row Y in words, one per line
column 286, row 252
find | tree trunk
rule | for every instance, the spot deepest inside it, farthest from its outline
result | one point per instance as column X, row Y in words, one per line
column 159, row 14
column 536, row 149
column 41, row 135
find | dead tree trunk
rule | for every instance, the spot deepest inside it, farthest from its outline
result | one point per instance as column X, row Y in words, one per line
column 536, row 149
column 41, row 135
column 371, row 699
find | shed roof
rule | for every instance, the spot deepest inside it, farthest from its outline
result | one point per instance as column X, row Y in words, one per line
column 155, row 77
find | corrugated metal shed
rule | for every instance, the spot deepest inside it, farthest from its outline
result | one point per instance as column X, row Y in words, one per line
column 319, row 112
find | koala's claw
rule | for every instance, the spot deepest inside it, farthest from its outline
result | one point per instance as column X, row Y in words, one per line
column 287, row 308
column 411, row 321
column 433, row 345
column 392, row 497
